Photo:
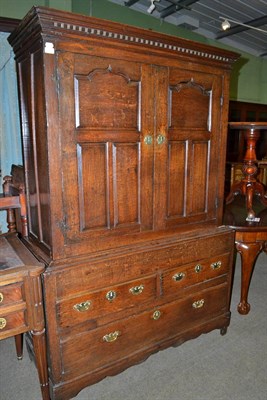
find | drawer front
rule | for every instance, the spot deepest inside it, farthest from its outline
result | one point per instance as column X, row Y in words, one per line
column 103, row 346
column 11, row 294
column 106, row 301
column 194, row 273
column 12, row 322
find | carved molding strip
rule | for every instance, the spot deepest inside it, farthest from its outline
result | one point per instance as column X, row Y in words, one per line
column 136, row 39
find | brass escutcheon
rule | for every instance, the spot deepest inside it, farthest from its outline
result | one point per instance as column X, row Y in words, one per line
column 198, row 268
column 2, row 323
column 84, row 306
column 216, row 265
column 156, row 315
column 111, row 295
column 1, row 297
column 198, row 303
column 111, row 337
column 137, row 289
column 178, row 277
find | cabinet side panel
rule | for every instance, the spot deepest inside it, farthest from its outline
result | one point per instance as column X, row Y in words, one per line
column 35, row 146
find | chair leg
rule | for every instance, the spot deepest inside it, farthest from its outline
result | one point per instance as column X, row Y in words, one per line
column 19, row 346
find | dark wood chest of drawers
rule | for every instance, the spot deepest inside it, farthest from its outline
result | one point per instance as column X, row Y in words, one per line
column 124, row 134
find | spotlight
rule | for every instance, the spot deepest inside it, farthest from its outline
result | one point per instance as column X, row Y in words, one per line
column 152, row 6
column 226, row 25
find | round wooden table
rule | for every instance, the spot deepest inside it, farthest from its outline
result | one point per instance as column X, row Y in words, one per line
column 250, row 240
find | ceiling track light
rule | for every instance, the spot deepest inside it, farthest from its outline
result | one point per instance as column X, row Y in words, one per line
column 226, row 25
column 152, row 6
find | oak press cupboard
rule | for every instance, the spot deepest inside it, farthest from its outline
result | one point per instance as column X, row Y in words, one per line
column 124, row 138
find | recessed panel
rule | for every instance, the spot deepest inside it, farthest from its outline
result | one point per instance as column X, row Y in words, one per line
column 199, row 177
column 126, row 183
column 176, row 178
column 108, row 100
column 189, row 107
column 93, row 187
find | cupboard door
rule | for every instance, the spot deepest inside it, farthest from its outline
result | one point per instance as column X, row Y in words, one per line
column 103, row 105
column 186, row 148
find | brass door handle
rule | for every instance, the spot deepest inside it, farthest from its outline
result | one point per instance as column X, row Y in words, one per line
column 137, row 289
column 148, row 139
column 2, row 323
column 161, row 139
column 198, row 303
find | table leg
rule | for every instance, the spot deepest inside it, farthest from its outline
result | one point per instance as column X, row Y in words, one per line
column 39, row 345
column 19, row 345
column 249, row 253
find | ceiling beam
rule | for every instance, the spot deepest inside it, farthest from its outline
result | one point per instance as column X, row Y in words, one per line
column 241, row 28
column 130, row 3
column 178, row 5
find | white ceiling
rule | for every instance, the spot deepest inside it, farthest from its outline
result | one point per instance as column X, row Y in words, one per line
column 202, row 17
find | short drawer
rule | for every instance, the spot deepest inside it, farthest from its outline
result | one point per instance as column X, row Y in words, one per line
column 103, row 346
column 109, row 300
column 10, row 294
column 12, row 322
column 194, row 273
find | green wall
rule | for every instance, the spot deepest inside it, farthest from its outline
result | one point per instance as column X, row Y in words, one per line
column 249, row 76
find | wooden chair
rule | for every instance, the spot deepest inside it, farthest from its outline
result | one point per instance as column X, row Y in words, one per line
column 13, row 200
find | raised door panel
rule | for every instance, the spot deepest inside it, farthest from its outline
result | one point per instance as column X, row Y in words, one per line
column 191, row 117
column 103, row 119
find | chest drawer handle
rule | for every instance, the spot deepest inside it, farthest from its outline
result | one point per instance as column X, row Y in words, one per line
column 178, row 277
column 84, row 306
column 1, row 297
column 2, row 323
column 216, row 265
column 111, row 337
column 137, row 289
column 198, row 303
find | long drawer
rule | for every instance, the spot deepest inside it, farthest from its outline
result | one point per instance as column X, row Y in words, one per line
column 105, row 345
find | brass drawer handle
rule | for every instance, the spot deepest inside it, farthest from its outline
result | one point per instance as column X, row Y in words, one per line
column 198, row 268
column 216, row 265
column 1, row 297
column 111, row 337
column 84, row 306
column 198, row 303
column 178, row 277
column 2, row 323
column 137, row 289
column 111, row 295
column 156, row 315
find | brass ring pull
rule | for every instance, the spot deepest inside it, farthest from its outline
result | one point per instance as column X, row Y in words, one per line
column 111, row 337
column 1, row 297
column 178, row 277
column 2, row 323
column 216, row 265
column 198, row 303
column 137, row 289
column 82, row 307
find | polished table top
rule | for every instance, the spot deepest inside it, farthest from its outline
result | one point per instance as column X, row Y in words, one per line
column 235, row 215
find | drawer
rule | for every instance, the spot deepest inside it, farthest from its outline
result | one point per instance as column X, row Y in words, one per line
column 194, row 273
column 10, row 294
column 106, row 301
column 12, row 322
column 103, row 346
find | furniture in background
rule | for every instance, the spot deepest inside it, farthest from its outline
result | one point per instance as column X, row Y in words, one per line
column 124, row 189
column 249, row 186
column 21, row 301
column 250, row 240
column 246, row 209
